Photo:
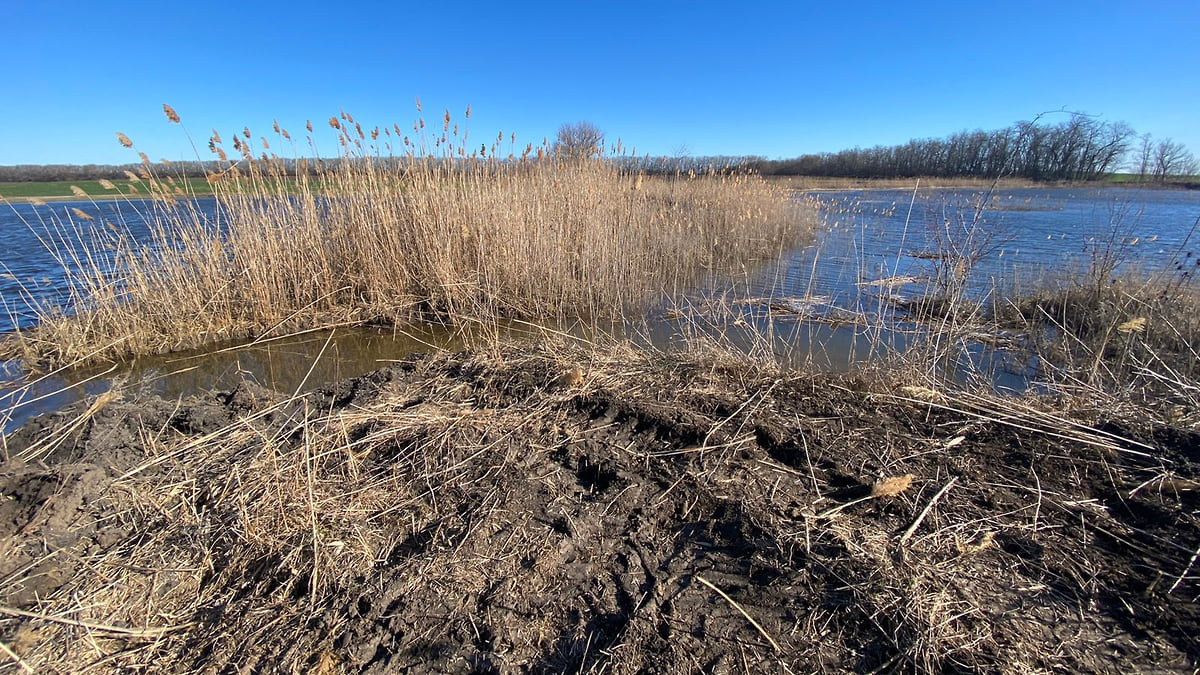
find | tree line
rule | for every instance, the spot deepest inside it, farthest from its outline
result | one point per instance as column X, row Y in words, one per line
column 1080, row 148
column 20, row 173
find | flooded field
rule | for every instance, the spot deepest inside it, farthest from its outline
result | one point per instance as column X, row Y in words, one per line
column 827, row 305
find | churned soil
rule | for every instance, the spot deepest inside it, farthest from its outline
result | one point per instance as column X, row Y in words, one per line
column 554, row 509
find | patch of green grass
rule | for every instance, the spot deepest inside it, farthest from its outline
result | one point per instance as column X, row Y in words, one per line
column 94, row 189
column 1149, row 181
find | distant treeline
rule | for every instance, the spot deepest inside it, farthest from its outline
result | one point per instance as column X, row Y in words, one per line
column 24, row 173
column 1081, row 148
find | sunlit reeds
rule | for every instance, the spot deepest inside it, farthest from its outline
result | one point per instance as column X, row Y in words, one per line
column 397, row 228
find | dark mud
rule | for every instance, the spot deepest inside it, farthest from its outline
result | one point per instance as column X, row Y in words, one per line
column 495, row 513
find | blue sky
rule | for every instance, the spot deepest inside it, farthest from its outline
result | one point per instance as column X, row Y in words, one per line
column 776, row 79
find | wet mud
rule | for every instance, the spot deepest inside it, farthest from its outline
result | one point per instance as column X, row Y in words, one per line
column 561, row 510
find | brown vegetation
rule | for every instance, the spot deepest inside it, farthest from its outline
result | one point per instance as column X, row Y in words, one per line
column 455, row 237
column 557, row 509
column 553, row 507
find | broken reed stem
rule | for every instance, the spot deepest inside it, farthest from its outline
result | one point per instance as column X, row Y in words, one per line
column 52, row 441
column 15, row 657
column 928, row 507
column 885, row 487
column 762, row 631
column 116, row 630
column 312, row 505
column 1185, row 571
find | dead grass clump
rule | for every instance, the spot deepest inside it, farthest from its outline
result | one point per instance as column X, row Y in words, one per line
column 394, row 229
column 1133, row 340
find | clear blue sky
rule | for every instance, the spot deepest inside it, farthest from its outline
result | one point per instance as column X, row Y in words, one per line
column 777, row 79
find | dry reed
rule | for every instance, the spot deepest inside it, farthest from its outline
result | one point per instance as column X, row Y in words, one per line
column 430, row 229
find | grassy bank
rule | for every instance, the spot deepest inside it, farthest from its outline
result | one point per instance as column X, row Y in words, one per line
column 452, row 236
column 91, row 190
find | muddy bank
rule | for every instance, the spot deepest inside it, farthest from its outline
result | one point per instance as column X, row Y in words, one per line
column 595, row 511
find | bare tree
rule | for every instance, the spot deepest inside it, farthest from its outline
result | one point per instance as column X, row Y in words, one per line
column 1172, row 159
column 579, row 141
column 1145, row 153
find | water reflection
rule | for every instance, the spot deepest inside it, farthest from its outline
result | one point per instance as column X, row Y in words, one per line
column 830, row 305
column 297, row 363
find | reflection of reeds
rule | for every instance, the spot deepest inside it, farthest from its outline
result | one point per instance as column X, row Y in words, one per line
column 418, row 226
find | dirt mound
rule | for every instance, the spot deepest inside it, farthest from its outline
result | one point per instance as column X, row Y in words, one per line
column 509, row 512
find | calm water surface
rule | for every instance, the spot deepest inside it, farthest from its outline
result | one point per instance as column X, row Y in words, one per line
column 1020, row 238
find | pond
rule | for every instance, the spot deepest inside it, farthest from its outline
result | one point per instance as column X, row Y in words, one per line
column 881, row 249
column 829, row 305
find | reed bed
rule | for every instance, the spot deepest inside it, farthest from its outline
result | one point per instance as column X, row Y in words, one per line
column 394, row 229
column 1134, row 338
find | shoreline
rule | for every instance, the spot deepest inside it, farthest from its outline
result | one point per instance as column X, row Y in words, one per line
column 797, row 183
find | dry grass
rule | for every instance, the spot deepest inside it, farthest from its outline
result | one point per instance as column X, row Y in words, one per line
column 478, row 506
column 432, row 230
column 1134, row 339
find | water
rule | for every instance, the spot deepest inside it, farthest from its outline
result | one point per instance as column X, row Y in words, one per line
column 879, row 248
column 1021, row 235
column 883, row 248
column 38, row 241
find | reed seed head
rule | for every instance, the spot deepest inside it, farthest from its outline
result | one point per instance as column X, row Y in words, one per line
column 172, row 116
column 124, row 140
column 1132, row 326
column 890, row 487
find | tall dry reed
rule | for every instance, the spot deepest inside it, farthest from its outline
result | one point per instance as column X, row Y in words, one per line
column 394, row 229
